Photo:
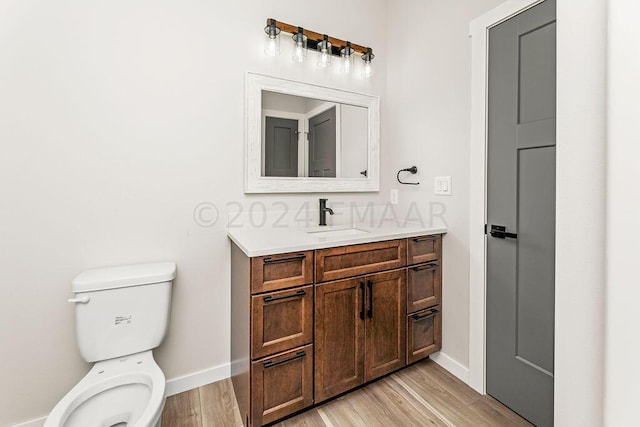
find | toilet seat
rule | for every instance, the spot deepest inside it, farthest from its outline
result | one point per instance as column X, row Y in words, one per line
column 126, row 391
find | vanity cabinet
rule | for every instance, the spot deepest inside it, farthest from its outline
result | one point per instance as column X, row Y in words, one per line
column 309, row 325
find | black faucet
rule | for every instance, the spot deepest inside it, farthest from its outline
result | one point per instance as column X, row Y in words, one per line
column 323, row 211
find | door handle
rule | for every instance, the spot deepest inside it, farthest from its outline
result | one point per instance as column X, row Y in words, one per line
column 425, row 239
column 370, row 311
column 417, row 317
column 285, row 259
column 500, row 232
column 270, row 363
column 299, row 293
column 425, row 267
column 362, row 296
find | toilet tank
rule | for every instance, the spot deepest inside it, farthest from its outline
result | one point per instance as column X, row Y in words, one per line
column 122, row 310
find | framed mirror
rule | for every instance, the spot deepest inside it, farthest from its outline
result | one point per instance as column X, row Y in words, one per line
column 303, row 138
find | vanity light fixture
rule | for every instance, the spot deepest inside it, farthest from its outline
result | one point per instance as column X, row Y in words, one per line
column 346, row 58
column 299, row 46
column 272, row 43
column 326, row 46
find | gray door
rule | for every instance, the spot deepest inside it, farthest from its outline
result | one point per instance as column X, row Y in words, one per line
column 322, row 144
column 521, row 212
column 281, row 147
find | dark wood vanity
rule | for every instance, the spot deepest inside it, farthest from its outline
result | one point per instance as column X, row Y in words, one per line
column 309, row 325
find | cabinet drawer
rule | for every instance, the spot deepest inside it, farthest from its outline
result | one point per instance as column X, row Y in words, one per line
column 270, row 273
column 349, row 261
column 424, row 334
column 281, row 320
column 424, row 286
column 423, row 249
column 281, row 385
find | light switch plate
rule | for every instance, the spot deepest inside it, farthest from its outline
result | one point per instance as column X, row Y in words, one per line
column 442, row 185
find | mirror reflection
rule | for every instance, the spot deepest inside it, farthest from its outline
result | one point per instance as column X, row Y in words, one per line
column 307, row 137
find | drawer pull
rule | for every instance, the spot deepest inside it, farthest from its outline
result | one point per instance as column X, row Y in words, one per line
column 370, row 311
column 299, row 293
column 285, row 259
column 425, row 239
column 425, row 267
column 363, row 303
column 271, row 363
column 417, row 317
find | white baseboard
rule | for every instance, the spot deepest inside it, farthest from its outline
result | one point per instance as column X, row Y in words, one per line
column 197, row 379
column 451, row 365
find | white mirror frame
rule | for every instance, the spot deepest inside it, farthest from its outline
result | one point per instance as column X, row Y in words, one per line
column 254, row 182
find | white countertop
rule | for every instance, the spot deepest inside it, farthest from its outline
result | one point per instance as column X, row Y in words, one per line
column 270, row 241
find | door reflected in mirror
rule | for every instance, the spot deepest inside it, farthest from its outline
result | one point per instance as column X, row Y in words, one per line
column 307, row 137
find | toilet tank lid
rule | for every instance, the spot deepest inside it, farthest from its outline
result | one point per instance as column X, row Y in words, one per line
column 122, row 276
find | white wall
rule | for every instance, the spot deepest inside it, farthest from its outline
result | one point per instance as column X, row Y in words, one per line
column 116, row 119
column 580, row 213
column 622, row 379
column 427, row 122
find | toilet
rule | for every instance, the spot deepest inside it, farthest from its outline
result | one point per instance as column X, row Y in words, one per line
column 122, row 314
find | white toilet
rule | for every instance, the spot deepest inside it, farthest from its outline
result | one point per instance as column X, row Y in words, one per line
column 121, row 316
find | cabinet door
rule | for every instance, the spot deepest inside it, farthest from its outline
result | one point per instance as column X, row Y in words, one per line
column 281, row 320
column 425, row 334
column 424, row 249
column 424, row 286
column 385, row 325
column 274, row 272
column 281, row 385
column 357, row 260
column 339, row 337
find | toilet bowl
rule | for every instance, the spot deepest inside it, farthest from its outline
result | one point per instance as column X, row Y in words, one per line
column 122, row 314
column 127, row 391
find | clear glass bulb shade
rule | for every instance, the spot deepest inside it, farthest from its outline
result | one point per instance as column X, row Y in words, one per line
column 324, row 60
column 367, row 70
column 346, row 60
column 272, row 46
column 299, row 48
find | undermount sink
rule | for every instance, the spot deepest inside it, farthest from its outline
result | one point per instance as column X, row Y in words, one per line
column 334, row 231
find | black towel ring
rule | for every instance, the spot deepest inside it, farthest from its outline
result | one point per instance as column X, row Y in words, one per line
column 413, row 170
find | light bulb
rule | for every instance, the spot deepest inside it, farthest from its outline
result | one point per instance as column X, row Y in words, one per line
column 367, row 72
column 299, row 46
column 346, row 59
column 324, row 47
column 324, row 59
column 272, row 43
column 272, row 48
